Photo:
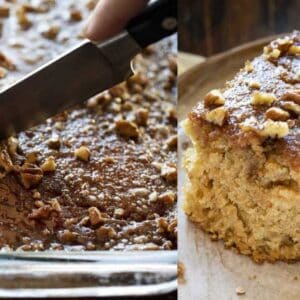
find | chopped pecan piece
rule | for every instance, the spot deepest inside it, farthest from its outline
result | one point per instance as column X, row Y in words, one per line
column 217, row 116
column 127, row 129
column 12, row 144
column 141, row 116
column 173, row 63
column 3, row 72
column 5, row 161
column 39, row 203
column 83, row 153
column 291, row 107
column 49, row 164
column 138, row 78
column 43, row 7
column 275, row 129
column 214, row 97
column 36, row 195
column 254, row 84
column 43, row 212
column 75, row 15
column 50, row 31
column 167, row 198
column 91, row 4
column 55, row 205
column 5, row 62
column 105, row 234
column 22, row 18
column 169, row 173
column 172, row 142
column 261, row 98
column 119, row 212
column 67, row 236
column 32, row 157
column 4, row 11
column 117, row 91
column 95, row 215
column 292, row 96
column 248, row 67
column 54, row 142
column 31, row 175
column 271, row 54
column 294, row 50
column 277, row 114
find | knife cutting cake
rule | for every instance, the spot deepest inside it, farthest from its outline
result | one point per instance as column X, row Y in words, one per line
column 100, row 176
column 244, row 163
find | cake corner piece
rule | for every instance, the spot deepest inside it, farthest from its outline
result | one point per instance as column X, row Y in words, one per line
column 244, row 164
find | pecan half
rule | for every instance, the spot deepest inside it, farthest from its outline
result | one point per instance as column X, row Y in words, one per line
column 31, row 175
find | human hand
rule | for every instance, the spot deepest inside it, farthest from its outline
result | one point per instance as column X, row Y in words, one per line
column 111, row 16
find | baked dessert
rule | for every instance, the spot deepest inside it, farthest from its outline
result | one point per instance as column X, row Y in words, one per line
column 100, row 176
column 244, row 164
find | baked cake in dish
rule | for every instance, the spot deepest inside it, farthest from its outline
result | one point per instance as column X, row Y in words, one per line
column 244, row 164
column 99, row 176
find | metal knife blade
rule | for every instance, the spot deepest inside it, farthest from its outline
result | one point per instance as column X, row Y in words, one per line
column 69, row 79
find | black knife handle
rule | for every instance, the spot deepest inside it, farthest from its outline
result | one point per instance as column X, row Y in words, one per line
column 157, row 21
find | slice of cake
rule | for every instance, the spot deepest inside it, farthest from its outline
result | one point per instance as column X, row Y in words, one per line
column 244, row 166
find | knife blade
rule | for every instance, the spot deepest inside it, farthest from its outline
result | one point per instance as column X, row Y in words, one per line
column 83, row 71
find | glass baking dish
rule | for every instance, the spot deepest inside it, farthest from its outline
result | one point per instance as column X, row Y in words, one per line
column 87, row 274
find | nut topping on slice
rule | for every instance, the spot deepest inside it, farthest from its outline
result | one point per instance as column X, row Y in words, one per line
column 271, row 54
column 274, row 129
column 292, row 96
column 261, row 98
column 214, row 97
column 217, row 116
column 254, row 84
column 294, row 50
column 291, row 107
column 249, row 67
column 277, row 114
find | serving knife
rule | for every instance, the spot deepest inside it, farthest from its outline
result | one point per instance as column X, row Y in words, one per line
column 83, row 71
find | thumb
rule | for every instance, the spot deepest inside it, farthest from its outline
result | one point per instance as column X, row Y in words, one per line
column 111, row 16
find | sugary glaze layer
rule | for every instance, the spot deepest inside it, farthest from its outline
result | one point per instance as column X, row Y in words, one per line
column 247, row 103
column 243, row 167
column 98, row 176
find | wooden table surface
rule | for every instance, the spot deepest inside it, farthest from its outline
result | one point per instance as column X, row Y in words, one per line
column 213, row 26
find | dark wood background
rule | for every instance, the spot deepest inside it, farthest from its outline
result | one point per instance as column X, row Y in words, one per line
column 207, row 27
